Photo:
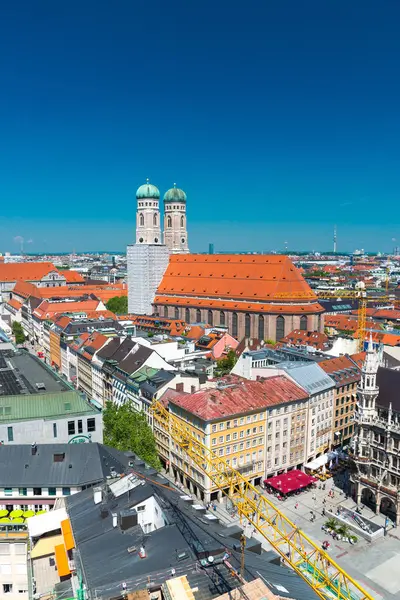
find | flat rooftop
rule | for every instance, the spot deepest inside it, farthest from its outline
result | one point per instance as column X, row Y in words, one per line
column 22, row 373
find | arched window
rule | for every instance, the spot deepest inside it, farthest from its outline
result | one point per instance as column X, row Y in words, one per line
column 210, row 317
column 182, row 222
column 247, row 325
column 234, row 324
column 165, row 311
column 169, row 222
column 280, row 328
column 222, row 318
column 176, row 312
column 155, row 219
column 261, row 331
column 187, row 315
column 303, row 323
column 198, row 315
column 141, row 220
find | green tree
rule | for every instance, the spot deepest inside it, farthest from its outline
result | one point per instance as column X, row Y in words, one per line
column 126, row 429
column 18, row 333
column 118, row 305
column 225, row 365
column 270, row 342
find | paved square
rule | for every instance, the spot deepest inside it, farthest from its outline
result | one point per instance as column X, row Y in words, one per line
column 387, row 574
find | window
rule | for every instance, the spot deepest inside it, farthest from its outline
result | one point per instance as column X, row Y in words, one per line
column 214, row 441
column 155, row 219
column 222, row 318
column 71, row 427
column 176, row 312
column 187, row 315
column 221, row 426
column 214, row 428
column 166, row 311
column 221, row 451
column 8, row 491
column 80, row 426
column 280, row 327
column 210, row 317
column 55, row 430
column 198, row 315
column 37, row 491
column 261, row 327
column 7, row 587
column 234, row 436
column 182, row 222
column 221, row 439
column 10, row 434
column 303, row 323
column 91, row 425
column 66, row 491
column 52, row 491
column 141, row 220
column 247, row 325
column 22, row 491
column 234, row 324
column 140, row 508
column 169, row 222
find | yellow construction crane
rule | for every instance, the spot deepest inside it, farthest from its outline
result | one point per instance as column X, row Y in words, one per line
column 328, row 580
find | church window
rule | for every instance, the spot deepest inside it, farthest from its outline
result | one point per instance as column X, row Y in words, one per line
column 210, row 317
column 187, row 315
column 234, row 324
column 280, row 328
column 165, row 311
column 303, row 323
column 155, row 219
column 141, row 219
column 247, row 325
column 169, row 222
column 261, row 332
column 176, row 312
column 198, row 315
column 222, row 318
column 182, row 221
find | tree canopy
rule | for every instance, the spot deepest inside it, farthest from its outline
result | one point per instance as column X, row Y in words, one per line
column 118, row 305
column 18, row 332
column 126, row 429
column 225, row 365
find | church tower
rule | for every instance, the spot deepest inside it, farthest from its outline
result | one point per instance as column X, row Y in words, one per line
column 367, row 390
column 175, row 230
column 148, row 226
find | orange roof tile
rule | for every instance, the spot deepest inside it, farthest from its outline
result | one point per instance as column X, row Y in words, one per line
column 342, row 369
column 195, row 332
column 27, row 271
column 71, row 276
column 14, row 303
column 315, row 339
column 26, row 289
column 46, row 309
column 290, row 309
column 248, row 278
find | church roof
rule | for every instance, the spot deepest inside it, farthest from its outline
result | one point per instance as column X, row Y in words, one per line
column 236, row 282
column 148, row 190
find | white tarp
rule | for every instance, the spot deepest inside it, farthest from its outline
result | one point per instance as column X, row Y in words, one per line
column 49, row 521
column 320, row 461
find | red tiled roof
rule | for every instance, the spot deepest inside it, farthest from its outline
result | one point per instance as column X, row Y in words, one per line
column 299, row 337
column 195, row 332
column 14, row 303
column 341, row 369
column 358, row 358
column 387, row 339
column 28, row 271
column 168, row 395
column 46, row 309
column 71, row 276
column 212, row 404
column 236, row 282
column 348, row 323
column 26, row 289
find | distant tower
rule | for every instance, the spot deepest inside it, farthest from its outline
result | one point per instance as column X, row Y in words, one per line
column 210, row 248
column 367, row 393
column 175, row 231
column 148, row 226
column 334, row 240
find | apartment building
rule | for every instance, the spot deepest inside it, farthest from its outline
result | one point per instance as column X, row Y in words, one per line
column 320, row 389
column 13, row 561
column 345, row 372
column 231, row 421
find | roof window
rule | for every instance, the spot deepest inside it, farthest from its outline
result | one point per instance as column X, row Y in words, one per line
column 59, row 457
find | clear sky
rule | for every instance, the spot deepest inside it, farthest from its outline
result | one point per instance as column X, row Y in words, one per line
column 278, row 118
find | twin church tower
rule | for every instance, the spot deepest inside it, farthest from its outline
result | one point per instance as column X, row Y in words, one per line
column 148, row 222
column 148, row 258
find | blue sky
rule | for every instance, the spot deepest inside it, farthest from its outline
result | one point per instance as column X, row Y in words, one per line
column 278, row 119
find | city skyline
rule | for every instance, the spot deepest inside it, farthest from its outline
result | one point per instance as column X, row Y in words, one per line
column 277, row 124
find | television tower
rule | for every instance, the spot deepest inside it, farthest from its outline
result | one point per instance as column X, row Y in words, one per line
column 334, row 239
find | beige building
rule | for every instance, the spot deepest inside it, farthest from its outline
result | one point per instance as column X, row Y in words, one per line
column 13, row 562
column 231, row 421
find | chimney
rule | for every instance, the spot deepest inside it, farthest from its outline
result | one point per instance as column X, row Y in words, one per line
column 33, row 449
column 97, row 495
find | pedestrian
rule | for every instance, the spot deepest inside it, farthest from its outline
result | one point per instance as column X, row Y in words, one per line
column 296, row 505
column 323, row 512
column 324, row 501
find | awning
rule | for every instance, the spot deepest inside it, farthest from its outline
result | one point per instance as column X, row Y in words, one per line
column 318, row 462
column 290, row 481
column 62, row 561
column 67, row 533
column 46, row 546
